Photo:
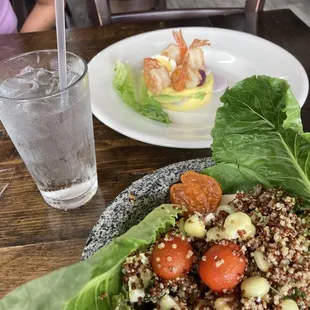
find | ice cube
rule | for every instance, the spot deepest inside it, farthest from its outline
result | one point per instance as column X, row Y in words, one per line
column 16, row 87
column 72, row 77
column 30, row 83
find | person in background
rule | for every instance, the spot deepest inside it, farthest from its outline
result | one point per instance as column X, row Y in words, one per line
column 41, row 17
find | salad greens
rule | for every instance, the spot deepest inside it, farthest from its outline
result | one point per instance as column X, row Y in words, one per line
column 91, row 284
column 258, row 138
column 124, row 85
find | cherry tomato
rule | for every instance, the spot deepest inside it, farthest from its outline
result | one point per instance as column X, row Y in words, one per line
column 173, row 258
column 198, row 192
column 222, row 267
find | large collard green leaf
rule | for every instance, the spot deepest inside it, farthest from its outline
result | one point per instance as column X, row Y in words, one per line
column 124, row 84
column 258, row 138
column 234, row 177
column 92, row 283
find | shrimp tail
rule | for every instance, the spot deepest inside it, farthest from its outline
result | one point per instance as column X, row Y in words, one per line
column 199, row 43
column 179, row 76
column 178, row 36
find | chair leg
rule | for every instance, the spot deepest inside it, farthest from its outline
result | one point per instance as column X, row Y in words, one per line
column 254, row 5
column 99, row 11
column 68, row 10
column 93, row 13
column 250, row 23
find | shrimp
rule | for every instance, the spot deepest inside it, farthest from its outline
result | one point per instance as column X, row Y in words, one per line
column 189, row 60
column 179, row 75
column 179, row 51
column 156, row 77
column 178, row 36
column 172, row 51
column 196, row 57
column 193, row 78
column 185, row 77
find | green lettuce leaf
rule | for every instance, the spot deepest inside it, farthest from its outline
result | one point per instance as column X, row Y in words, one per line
column 258, row 138
column 91, row 284
column 124, row 84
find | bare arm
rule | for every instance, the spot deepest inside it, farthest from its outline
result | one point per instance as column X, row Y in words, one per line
column 41, row 18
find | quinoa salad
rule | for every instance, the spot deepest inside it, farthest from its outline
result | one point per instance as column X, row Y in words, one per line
column 249, row 250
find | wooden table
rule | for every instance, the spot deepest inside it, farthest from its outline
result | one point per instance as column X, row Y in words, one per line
column 36, row 239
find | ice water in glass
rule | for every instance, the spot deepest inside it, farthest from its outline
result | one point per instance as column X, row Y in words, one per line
column 52, row 130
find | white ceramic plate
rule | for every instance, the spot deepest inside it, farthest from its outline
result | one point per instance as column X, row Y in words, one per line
column 233, row 56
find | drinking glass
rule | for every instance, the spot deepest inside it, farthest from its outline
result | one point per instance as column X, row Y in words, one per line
column 51, row 129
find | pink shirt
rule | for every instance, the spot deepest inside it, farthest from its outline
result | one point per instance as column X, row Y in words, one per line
column 8, row 20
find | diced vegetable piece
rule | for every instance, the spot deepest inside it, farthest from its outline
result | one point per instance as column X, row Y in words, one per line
column 227, row 208
column 135, row 294
column 181, row 225
column 203, row 77
column 138, row 291
column 255, row 287
column 167, row 303
column 289, row 304
column 146, row 277
column 195, row 227
column 215, row 233
column 221, row 304
column 226, row 199
column 261, row 261
column 237, row 225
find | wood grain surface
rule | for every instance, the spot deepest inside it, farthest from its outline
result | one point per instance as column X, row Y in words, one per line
column 36, row 239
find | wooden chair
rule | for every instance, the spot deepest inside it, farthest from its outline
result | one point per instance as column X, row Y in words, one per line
column 105, row 12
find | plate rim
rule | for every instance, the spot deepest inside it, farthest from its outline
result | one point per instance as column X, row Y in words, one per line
column 197, row 144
